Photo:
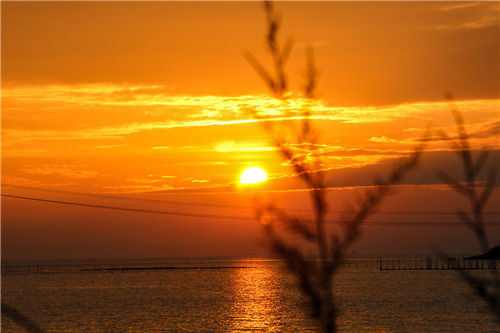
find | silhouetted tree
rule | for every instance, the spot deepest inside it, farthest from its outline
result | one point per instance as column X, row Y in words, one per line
column 477, row 196
column 315, row 277
column 20, row 318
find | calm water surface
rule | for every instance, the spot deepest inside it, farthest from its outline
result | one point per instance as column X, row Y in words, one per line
column 239, row 295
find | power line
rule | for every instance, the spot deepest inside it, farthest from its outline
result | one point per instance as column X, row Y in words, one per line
column 184, row 203
column 115, row 197
column 243, row 218
column 136, row 210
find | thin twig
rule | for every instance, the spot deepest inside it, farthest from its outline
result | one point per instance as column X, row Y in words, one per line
column 315, row 278
column 20, row 319
column 488, row 291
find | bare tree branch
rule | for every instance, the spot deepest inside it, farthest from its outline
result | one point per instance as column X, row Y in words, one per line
column 20, row 319
column 315, row 277
column 487, row 290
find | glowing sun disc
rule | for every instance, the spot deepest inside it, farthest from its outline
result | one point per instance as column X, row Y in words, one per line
column 253, row 175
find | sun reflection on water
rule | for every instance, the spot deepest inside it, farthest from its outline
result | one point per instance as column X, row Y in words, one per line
column 257, row 303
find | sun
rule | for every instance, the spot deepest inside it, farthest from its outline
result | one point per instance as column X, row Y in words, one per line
column 253, row 175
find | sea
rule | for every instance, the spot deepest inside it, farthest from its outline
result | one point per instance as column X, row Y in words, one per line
column 233, row 295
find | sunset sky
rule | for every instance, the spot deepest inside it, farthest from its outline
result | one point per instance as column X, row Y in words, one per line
column 153, row 101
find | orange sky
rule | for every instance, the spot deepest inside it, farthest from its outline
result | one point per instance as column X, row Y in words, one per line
column 153, row 100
